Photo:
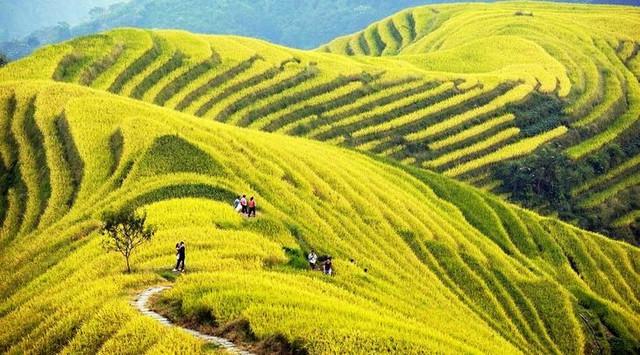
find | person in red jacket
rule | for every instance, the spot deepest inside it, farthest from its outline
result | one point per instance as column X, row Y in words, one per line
column 252, row 207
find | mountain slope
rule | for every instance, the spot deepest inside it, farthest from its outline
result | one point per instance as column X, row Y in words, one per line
column 538, row 107
column 455, row 270
column 597, row 48
column 259, row 85
column 292, row 23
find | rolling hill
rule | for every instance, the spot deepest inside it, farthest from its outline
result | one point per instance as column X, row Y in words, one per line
column 293, row 23
column 453, row 270
column 486, row 93
column 29, row 24
column 356, row 155
column 597, row 51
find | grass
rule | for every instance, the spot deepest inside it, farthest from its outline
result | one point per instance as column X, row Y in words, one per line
column 446, row 274
column 493, row 140
column 367, row 90
column 471, row 132
column 423, row 263
column 520, row 148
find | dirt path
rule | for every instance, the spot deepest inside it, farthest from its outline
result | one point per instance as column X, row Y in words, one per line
column 141, row 305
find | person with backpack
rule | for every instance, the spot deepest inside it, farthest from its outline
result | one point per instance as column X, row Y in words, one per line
column 181, row 253
column 252, row 207
column 243, row 203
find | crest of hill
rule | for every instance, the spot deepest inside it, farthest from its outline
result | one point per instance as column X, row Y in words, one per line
column 479, row 92
column 457, row 270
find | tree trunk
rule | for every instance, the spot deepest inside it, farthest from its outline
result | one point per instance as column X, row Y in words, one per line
column 128, row 267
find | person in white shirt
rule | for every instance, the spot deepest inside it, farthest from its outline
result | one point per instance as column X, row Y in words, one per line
column 313, row 259
column 243, row 203
column 236, row 204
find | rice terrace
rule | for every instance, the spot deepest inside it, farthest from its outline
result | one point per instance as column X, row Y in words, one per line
column 451, row 178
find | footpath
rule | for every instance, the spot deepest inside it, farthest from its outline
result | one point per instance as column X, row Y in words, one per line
column 141, row 305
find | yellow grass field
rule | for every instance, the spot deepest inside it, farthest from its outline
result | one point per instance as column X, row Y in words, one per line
column 176, row 125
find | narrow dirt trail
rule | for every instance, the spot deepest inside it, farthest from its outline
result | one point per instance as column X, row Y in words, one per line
column 141, row 305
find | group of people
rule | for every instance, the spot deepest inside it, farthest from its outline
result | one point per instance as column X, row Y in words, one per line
column 324, row 262
column 248, row 207
column 180, row 256
column 244, row 206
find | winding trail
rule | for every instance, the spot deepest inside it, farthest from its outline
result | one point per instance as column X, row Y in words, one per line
column 140, row 304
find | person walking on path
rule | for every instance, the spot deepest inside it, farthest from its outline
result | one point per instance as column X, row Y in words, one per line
column 252, row 207
column 181, row 252
column 243, row 203
column 313, row 259
column 236, row 204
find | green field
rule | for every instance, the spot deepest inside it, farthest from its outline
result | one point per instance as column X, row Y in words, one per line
column 387, row 123
column 426, row 87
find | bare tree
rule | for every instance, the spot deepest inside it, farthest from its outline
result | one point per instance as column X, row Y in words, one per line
column 124, row 231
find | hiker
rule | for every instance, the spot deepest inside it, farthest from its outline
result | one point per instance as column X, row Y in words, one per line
column 236, row 204
column 180, row 252
column 177, row 256
column 313, row 259
column 328, row 267
column 252, row 207
column 243, row 203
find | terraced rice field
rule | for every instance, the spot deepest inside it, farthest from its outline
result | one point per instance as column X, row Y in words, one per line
column 177, row 124
column 399, row 88
column 254, row 84
column 456, row 271
column 598, row 56
column 304, row 94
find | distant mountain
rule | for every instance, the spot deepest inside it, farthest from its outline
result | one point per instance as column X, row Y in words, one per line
column 294, row 23
column 20, row 18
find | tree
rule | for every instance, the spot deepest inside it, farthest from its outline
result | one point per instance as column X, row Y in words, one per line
column 3, row 60
column 544, row 178
column 124, row 231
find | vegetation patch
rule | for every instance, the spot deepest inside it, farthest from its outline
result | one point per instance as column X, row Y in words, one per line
column 71, row 156
column 136, row 67
column 238, row 331
column 215, row 82
column 160, row 158
column 183, row 80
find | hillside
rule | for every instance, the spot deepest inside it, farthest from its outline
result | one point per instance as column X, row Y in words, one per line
column 457, row 270
column 541, row 108
column 28, row 25
column 592, row 170
column 300, row 24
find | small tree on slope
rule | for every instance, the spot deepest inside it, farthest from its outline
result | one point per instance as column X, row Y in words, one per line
column 3, row 60
column 124, row 231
